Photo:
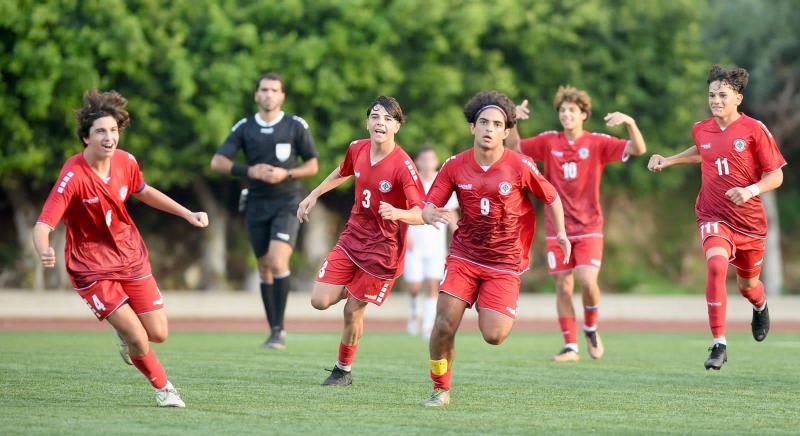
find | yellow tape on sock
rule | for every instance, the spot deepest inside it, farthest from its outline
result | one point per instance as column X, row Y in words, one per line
column 439, row 367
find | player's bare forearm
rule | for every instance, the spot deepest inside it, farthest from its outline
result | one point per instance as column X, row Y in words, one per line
column 158, row 200
column 41, row 242
column 770, row 181
column 307, row 169
column 512, row 141
column 636, row 145
column 556, row 212
column 689, row 156
column 411, row 216
column 221, row 164
column 333, row 180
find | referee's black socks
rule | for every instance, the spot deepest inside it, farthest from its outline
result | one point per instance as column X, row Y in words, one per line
column 268, row 298
column 282, row 286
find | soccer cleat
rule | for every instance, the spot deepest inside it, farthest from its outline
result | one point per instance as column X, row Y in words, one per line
column 277, row 340
column 122, row 346
column 566, row 355
column 338, row 377
column 594, row 344
column 439, row 398
column 760, row 324
column 718, row 356
column 169, row 397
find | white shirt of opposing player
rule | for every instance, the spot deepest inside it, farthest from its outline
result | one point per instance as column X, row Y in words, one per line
column 427, row 240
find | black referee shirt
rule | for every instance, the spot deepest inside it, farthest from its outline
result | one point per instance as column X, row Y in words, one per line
column 277, row 143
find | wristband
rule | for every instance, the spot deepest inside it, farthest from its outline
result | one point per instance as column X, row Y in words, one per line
column 754, row 190
column 239, row 170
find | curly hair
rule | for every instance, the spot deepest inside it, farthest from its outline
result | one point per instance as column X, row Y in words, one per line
column 391, row 105
column 736, row 78
column 98, row 104
column 572, row 94
column 476, row 104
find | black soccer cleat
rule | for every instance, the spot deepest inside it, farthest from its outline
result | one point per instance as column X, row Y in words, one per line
column 718, row 356
column 338, row 377
column 760, row 324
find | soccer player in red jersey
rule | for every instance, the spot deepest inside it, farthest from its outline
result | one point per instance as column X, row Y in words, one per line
column 105, row 255
column 368, row 257
column 738, row 160
column 491, row 246
column 574, row 160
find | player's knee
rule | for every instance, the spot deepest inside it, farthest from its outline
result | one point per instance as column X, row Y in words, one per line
column 563, row 290
column 494, row 336
column 320, row 302
column 717, row 266
column 158, row 335
column 587, row 285
column 444, row 326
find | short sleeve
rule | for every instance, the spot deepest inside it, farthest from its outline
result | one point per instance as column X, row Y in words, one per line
column 234, row 142
column 612, row 149
column 412, row 186
column 136, row 176
column 442, row 187
column 346, row 168
column 58, row 200
column 535, row 147
column 769, row 156
column 304, row 142
column 533, row 181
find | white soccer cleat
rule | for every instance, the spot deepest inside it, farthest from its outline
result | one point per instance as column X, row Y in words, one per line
column 438, row 398
column 122, row 346
column 169, row 397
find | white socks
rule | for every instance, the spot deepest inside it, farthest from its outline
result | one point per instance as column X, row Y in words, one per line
column 428, row 316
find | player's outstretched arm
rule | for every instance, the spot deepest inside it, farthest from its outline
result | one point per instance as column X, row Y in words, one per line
column 769, row 181
column 435, row 215
column 411, row 216
column 556, row 211
column 41, row 241
column 333, row 180
column 636, row 146
column 158, row 200
column 521, row 112
column 689, row 156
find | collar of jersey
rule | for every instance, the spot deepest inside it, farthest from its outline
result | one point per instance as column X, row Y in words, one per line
column 263, row 123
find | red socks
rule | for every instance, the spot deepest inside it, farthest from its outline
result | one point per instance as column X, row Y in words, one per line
column 347, row 354
column 717, row 294
column 568, row 329
column 755, row 295
column 151, row 368
column 590, row 314
column 441, row 373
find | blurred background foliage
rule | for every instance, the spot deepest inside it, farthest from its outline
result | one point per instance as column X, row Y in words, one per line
column 188, row 69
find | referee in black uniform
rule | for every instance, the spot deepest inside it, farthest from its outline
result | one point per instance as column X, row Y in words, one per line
column 272, row 141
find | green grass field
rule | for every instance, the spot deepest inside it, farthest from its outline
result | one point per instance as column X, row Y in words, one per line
column 58, row 383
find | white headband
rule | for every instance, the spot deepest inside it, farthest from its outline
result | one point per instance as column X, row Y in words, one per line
column 492, row 106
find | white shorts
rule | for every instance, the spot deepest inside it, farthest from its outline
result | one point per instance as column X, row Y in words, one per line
column 423, row 266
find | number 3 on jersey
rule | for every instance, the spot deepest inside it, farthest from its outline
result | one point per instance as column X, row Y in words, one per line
column 367, row 196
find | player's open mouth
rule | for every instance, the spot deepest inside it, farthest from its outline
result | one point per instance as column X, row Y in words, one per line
column 381, row 131
column 108, row 146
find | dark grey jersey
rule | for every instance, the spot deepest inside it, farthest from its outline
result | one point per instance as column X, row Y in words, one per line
column 278, row 143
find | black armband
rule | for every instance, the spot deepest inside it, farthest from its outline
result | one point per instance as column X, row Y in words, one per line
column 239, row 170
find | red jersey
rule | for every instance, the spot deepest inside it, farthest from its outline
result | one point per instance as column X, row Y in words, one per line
column 575, row 170
column 376, row 245
column 735, row 157
column 497, row 218
column 103, row 242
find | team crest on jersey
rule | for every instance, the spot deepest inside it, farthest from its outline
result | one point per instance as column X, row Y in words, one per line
column 583, row 153
column 385, row 186
column 505, row 188
column 739, row 145
column 283, row 151
column 123, row 192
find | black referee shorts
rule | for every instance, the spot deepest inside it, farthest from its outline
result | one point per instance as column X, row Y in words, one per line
column 269, row 220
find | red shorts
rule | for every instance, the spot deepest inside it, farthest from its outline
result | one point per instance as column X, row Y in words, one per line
column 106, row 296
column 746, row 252
column 492, row 289
column 339, row 269
column 585, row 252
